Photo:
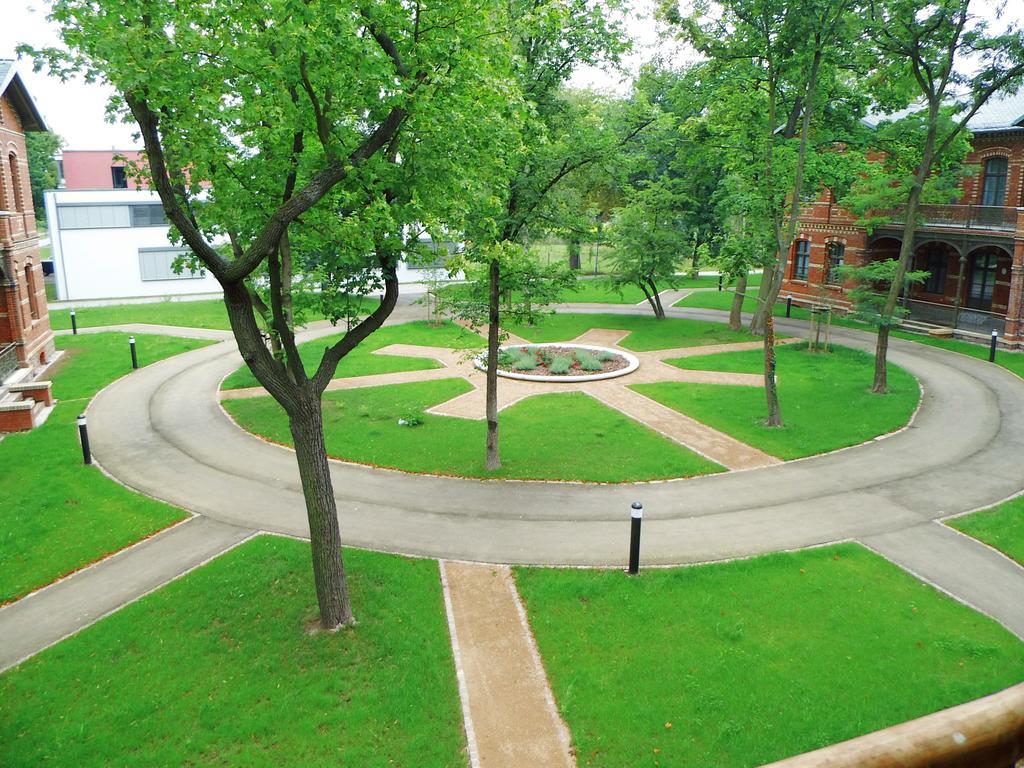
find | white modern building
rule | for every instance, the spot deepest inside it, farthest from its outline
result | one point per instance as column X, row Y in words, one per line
column 113, row 243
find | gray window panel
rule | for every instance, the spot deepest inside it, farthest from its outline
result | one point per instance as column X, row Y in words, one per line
column 836, row 258
column 802, row 261
column 149, row 215
column 93, row 216
column 994, row 188
column 158, row 264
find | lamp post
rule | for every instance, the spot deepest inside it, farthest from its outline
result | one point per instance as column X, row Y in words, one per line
column 636, row 517
column 83, row 435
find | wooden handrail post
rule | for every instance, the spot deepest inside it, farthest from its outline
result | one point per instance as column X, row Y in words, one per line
column 986, row 733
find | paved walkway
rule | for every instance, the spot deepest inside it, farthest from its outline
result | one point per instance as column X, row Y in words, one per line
column 50, row 614
column 163, row 330
column 615, row 393
column 163, row 423
column 510, row 714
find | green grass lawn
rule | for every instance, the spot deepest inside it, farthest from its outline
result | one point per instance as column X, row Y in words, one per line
column 1001, row 527
column 825, row 400
column 646, row 332
column 57, row 514
column 743, row 663
column 559, row 436
column 722, row 300
column 217, row 669
column 554, row 252
column 599, row 290
column 362, row 362
column 1012, row 361
column 209, row 313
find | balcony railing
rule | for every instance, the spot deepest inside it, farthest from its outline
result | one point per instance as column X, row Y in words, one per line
column 8, row 361
column 988, row 217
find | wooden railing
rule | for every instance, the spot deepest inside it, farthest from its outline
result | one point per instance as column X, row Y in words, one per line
column 8, row 361
column 987, row 733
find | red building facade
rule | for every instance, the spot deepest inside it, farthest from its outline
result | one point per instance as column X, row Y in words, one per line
column 26, row 340
column 973, row 250
column 98, row 169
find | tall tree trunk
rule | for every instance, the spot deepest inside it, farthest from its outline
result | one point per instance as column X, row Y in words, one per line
column 881, row 384
column 736, row 309
column 770, row 390
column 574, row 252
column 493, row 329
column 652, row 299
column 306, row 424
column 757, row 319
column 770, row 292
column 695, row 258
column 659, row 310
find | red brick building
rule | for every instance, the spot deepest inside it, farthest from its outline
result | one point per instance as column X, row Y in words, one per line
column 973, row 250
column 26, row 341
column 98, row 169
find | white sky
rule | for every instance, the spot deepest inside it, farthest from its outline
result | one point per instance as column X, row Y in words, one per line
column 76, row 110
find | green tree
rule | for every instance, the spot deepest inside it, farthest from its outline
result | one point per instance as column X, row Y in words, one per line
column 558, row 136
column 746, row 242
column 43, row 147
column 871, row 283
column 679, row 150
column 649, row 238
column 527, row 286
column 942, row 56
column 780, row 55
column 295, row 136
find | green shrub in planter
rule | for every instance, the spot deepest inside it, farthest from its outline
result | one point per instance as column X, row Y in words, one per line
column 589, row 361
column 605, row 357
column 560, row 365
column 525, row 361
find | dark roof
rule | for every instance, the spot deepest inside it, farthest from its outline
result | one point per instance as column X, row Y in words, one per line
column 1002, row 112
column 13, row 87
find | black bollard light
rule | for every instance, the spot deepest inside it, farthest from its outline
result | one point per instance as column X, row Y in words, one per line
column 720, row 278
column 992, row 346
column 636, row 517
column 789, row 304
column 74, row 324
column 135, row 357
column 83, row 434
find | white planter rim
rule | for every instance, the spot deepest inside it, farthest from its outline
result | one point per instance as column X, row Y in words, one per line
column 632, row 363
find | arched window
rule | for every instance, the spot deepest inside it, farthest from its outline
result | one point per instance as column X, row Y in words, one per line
column 993, row 191
column 18, row 199
column 982, row 280
column 31, row 287
column 836, row 255
column 5, row 203
column 801, row 259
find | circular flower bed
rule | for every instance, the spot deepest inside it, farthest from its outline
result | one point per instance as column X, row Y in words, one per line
column 561, row 362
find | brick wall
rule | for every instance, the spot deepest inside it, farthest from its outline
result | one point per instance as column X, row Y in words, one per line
column 23, row 313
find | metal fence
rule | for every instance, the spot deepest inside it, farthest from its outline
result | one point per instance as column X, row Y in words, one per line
column 8, row 361
column 966, row 319
column 989, row 217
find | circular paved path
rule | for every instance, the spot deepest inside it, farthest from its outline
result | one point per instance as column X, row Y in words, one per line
column 161, row 431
